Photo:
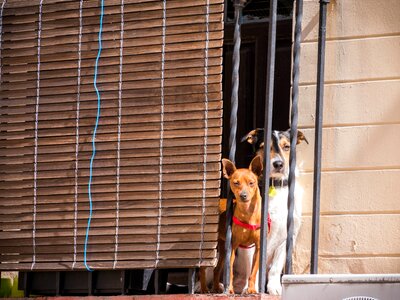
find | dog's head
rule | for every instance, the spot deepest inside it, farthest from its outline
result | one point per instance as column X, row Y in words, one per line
column 243, row 182
column 280, row 149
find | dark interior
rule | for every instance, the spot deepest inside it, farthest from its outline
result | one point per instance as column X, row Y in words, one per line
column 252, row 84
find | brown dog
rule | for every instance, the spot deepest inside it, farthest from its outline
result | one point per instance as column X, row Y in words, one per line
column 246, row 220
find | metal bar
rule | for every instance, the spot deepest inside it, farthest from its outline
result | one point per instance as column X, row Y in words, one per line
column 191, row 280
column 27, row 284
column 267, row 142
column 58, row 283
column 90, row 283
column 293, row 135
column 123, row 282
column 157, row 279
column 318, row 136
column 232, row 136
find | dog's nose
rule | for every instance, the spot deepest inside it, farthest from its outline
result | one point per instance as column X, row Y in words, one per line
column 278, row 165
column 243, row 195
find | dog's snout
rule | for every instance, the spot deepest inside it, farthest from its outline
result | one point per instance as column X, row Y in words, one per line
column 278, row 165
column 243, row 195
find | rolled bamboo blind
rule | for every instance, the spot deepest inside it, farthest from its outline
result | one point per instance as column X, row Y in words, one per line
column 156, row 173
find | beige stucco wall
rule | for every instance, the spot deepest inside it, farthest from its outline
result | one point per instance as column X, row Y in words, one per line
column 360, row 201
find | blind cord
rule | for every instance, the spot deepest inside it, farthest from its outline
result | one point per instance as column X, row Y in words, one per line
column 35, row 170
column 78, row 101
column 94, row 137
column 121, row 48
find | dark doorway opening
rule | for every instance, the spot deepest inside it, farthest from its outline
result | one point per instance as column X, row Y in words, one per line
column 253, row 66
column 252, row 74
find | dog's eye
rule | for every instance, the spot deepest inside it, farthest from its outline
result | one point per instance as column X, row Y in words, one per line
column 237, row 183
column 286, row 148
column 251, row 183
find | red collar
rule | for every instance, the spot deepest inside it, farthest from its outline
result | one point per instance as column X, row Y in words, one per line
column 247, row 247
column 250, row 226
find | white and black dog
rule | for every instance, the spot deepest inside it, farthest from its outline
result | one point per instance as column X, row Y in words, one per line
column 277, row 207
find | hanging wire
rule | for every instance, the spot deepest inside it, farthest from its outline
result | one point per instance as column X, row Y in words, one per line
column 160, row 178
column 94, row 135
column 36, row 137
column 121, row 47
column 78, row 100
column 205, row 142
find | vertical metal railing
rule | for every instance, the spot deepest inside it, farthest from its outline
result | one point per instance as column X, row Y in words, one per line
column 318, row 136
column 293, row 134
column 267, row 141
column 238, row 4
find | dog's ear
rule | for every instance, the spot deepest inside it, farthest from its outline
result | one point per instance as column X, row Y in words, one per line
column 301, row 137
column 228, row 168
column 256, row 165
column 253, row 136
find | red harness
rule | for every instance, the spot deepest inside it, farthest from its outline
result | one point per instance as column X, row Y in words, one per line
column 250, row 226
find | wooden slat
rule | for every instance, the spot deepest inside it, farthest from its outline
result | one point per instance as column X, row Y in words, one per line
column 136, row 92
column 137, row 170
column 139, row 62
column 110, row 239
column 69, row 45
column 121, row 265
column 24, row 205
column 171, row 47
column 128, row 247
column 139, row 15
column 24, row 7
column 93, row 257
column 145, row 70
column 144, row 24
column 104, row 231
column 85, row 153
column 112, row 78
column 81, row 221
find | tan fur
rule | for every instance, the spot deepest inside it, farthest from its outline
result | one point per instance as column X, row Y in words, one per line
column 244, row 185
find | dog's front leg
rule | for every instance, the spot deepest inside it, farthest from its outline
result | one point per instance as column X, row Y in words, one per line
column 217, row 288
column 274, row 286
column 254, row 270
column 203, row 280
column 233, row 254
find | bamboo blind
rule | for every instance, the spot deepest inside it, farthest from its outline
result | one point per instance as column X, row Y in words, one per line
column 156, row 173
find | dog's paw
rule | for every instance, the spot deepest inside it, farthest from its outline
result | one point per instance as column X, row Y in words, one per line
column 218, row 289
column 274, row 287
column 231, row 290
column 251, row 291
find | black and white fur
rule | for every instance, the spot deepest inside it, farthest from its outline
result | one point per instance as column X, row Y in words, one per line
column 277, row 207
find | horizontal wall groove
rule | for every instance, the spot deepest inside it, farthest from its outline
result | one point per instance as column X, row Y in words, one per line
column 355, row 81
column 356, row 213
column 353, row 38
column 357, row 169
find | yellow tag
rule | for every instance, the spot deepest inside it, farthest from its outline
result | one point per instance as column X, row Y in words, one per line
column 272, row 191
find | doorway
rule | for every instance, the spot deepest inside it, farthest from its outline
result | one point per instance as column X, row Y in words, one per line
column 252, row 74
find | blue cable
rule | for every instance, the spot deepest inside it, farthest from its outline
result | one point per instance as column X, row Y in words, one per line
column 94, row 137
